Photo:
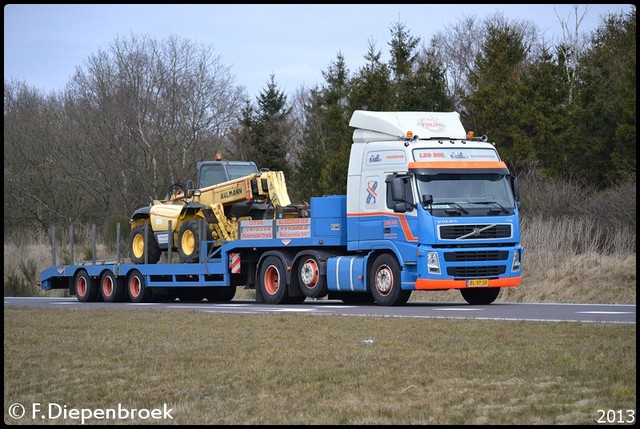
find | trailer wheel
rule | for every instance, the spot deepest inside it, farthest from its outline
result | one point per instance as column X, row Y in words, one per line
column 138, row 242
column 272, row 281
column 111, row 287
column 480, row 296
column 384, row 281
column 138, row 291
column 220, row 294
column 189, row 241
column 86, row 287
column 312, row 283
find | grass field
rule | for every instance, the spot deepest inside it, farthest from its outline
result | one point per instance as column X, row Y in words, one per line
column 302, row 369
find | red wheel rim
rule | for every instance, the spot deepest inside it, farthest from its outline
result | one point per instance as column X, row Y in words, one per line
column 272, row 280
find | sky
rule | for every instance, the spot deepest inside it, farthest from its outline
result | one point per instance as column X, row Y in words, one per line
column 45, row 43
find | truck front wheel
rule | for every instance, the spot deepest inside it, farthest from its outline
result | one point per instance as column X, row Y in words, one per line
column 480, row 296
column 384, row 281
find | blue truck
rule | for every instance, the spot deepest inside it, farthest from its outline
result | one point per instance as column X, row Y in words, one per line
column 428, row 206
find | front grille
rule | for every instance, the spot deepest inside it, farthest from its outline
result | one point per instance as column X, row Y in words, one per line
column 488, row 271
column 474, row 232
column 489, row 255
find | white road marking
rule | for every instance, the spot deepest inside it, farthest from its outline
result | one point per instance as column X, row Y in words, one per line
column 604, row 312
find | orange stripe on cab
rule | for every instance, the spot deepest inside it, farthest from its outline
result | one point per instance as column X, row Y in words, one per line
column 402, row 218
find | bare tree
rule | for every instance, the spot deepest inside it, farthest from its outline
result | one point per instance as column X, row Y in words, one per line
column 459, row 45
column 145, row 112
column 573, row 44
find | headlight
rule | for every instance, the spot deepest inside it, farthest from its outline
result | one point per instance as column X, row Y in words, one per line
column 433, row 263
column 516, row 261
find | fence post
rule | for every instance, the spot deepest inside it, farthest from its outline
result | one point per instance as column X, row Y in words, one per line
column 53, row 244
column 93, row 237
column 170, row 242
column 71, row 254
column 118, row 243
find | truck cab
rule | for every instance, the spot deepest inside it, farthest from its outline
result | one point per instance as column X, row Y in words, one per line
column 438, row 200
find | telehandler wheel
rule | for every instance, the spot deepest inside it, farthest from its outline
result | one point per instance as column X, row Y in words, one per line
column 86, row 288
column 189, row 240
column 384, row 281
column 483, row 296
column 312, row 283
column 138, row 290
column 138, row 242
column 112, row 288
column 272, row 281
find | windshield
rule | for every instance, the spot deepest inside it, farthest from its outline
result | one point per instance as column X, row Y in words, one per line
column 214, row 174
column 240, row 170
column 467, row 189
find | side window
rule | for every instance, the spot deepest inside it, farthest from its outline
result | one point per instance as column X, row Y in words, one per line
column 408, row 194
column 212, row 175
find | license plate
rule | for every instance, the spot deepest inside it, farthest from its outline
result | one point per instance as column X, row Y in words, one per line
column 478, row 283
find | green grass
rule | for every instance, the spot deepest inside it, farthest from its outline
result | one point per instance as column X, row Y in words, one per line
column 304, row 369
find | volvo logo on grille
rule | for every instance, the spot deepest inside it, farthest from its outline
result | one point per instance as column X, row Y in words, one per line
column 475, row 232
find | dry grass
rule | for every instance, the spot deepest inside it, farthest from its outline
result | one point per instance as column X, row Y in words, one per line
column 302, row 369
column 565, row 260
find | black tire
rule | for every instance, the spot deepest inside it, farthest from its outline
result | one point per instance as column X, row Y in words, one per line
column 384, row 281
column 220, row 294
column 137, row 288
column 112, row 288
column 483, row 296
column 190, row 240
column 138, row 242
column 87, row 289
column 272, row 281
column 312, row 283
column 299, row 299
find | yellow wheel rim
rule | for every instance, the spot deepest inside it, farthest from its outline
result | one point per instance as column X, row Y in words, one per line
column 138, row 246
column 188, row 242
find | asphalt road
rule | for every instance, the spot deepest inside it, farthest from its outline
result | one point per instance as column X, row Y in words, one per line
column 589, row 313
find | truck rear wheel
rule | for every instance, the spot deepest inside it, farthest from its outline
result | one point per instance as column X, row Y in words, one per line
column 86, row 287
column 272, row 281
column 138, row 291
column 480, row 296
column 312, row 283
column 138, row 242
column 111, row 287
column 384, row 281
